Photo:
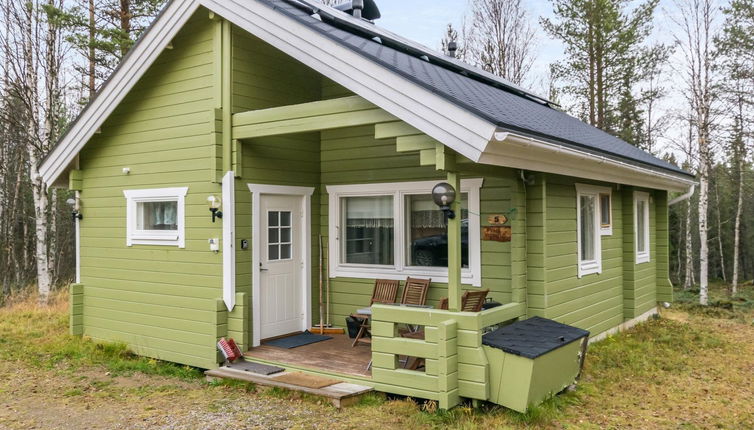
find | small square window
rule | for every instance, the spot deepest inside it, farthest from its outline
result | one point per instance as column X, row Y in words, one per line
column 155, row 216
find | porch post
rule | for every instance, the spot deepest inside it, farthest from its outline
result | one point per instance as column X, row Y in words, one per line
column 454, row 246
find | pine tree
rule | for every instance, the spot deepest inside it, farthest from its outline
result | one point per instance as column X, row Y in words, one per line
column 607, row 57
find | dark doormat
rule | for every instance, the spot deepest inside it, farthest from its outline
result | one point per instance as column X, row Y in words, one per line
column 258, row 368
column 295, row 341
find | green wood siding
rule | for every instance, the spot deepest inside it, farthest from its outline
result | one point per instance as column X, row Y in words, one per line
column 640, row 280
column 593, row 302
column 161, row 300
column 263, row 78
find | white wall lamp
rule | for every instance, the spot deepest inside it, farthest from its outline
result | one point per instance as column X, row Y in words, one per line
column 75, row 209
column 214, row 206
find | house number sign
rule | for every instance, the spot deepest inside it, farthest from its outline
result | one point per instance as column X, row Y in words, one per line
column 497, row 219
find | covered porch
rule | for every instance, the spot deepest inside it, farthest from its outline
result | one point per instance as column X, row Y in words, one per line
column 455, row 366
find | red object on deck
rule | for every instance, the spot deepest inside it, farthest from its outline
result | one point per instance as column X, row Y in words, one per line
column 229, row 349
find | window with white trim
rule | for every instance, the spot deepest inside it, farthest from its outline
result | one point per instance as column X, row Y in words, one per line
column 606, row 214
column 641, row 226
column 156, row 216
column 394, row 230
column 591, row 224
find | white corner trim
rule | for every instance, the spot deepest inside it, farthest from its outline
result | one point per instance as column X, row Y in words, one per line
column 170, row 238
column 398, row 190
column 229, row 240
column 170, row 21
column 588, row 267
column 641, row 256
column 257, row 190
column 77, row 224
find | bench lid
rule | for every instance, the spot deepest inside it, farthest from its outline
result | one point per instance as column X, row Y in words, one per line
column 533, row 337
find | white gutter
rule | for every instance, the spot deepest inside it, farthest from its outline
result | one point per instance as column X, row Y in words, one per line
column 683, row 197
column 507, row 137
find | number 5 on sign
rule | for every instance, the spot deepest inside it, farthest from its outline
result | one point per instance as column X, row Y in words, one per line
column 497, row 219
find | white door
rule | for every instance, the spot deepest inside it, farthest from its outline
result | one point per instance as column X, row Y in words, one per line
column 281, row 286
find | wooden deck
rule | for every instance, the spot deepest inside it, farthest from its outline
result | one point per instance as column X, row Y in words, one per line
column 341, row 394
column 333, row 355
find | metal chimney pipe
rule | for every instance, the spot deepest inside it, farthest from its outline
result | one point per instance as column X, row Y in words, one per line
column 452, row 48
column 358, row 6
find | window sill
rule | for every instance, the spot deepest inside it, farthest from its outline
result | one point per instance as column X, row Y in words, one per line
column 589, row 268
column 642, row 258
column 439, row 276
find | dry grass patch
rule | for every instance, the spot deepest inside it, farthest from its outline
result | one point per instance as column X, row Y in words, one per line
column 692, row 368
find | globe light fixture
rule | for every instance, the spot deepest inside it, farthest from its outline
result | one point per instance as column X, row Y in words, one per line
column 214, row 206
column 444, row 195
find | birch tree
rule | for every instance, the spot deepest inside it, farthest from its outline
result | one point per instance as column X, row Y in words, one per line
column 695, row 36
column 499, row 38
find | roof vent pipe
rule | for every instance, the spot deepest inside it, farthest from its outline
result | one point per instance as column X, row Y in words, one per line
column 358, row 6
column 452, row 48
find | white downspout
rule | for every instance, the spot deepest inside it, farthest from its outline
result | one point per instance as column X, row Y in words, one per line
column 683, row 197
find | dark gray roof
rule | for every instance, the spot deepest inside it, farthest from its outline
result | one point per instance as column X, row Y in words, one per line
column 504, row 104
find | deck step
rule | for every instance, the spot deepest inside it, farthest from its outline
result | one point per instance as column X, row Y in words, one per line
column 340, row 395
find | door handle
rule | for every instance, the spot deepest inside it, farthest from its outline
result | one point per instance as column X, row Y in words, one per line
column 262, row 269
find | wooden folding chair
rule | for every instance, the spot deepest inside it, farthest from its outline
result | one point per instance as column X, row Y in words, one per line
column 471, row 301
column 385, row 291
column 415, row 291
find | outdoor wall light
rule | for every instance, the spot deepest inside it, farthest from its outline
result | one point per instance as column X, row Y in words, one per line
column 214, row 207
column 75, row 212
column 444, row 195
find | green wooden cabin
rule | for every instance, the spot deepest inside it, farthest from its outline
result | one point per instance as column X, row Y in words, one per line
column 295, row 121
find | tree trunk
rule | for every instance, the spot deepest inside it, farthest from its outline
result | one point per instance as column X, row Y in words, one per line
column 720, row 233
column 125, row 26
column 688, row 280
column 703, row 231
column 739, row 211
column 92, row 52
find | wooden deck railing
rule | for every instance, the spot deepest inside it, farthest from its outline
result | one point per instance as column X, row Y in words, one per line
column 455, row 364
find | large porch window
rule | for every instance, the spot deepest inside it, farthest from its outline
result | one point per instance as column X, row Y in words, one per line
column 394, row 230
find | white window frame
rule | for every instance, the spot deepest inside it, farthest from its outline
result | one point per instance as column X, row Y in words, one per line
column 400, row 270
column 135, row 236
column 588, row 267
column 642, row 256
column 606, row 230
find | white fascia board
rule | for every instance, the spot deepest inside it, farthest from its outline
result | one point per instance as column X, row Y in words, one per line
column 520, row 152
column 442, row 120
column 169, row 23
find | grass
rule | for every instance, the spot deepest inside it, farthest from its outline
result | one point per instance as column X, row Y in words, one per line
column 691, row 368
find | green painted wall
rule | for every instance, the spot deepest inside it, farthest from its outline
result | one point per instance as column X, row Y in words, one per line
column 161, row 300
column 593, row 302
column 640, row 280
column 262, row 78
